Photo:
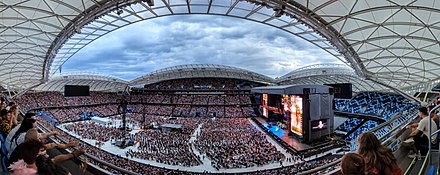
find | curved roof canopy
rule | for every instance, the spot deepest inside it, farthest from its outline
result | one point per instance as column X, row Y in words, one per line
column 329, row 74
column 37, row 37
column 95, row 81
column 29, row 35
column 201, row 71
column 394, row 42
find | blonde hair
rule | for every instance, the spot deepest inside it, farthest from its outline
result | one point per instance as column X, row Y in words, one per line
column 31, row 134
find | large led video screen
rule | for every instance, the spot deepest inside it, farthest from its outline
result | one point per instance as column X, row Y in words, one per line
column 293, row 104
column 264, row 106
column 76, row 90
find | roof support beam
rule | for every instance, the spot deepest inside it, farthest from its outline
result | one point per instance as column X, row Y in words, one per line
column 25, row 90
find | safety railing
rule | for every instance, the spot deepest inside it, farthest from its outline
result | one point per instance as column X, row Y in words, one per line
column 425, row 164
column 431, row 133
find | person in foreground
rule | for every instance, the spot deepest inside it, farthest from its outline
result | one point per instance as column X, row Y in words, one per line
column 419, row 137
column 352, row 164
column 379, row 159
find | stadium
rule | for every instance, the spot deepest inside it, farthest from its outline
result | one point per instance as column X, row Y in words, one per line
column 369, row 109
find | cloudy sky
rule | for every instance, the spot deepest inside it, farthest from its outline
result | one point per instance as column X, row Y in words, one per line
column 143, row 47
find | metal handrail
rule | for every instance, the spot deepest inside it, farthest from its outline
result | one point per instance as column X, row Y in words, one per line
column 392, row 118
column 320, row 168
column 430, row 132
column 428, row 157
column 407, row 169
column 435, row 132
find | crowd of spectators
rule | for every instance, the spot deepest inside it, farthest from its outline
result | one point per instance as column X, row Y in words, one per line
column 233, row 112
column 95, row 131
column 235, row 143
column 236, row 137
column 48, row 99
column 198, row 83
column 190, row 99
column 164, row 147
column 126, row 163
column 69, row 114
column 216, row 111
column 192, row 111
column 66, row 109
column 182, row 110
column 117, row 160
column 229, row 142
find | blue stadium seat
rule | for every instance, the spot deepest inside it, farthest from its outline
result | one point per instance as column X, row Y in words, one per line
column 4, row 162
column 3, row 147
column 431, row 170
column 4, row 153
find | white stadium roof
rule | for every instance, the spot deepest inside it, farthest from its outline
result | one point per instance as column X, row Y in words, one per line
column 329, row 74
column 394, row 43
column 96, row 82
column 201, row 71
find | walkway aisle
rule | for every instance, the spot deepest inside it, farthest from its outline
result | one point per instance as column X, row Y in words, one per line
column 206, row 162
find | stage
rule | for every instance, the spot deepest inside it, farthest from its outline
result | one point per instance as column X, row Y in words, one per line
column 283, row 134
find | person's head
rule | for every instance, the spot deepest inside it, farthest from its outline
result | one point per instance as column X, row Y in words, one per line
column 2, row 103
column 30, row 150
column 423, row 112
column 352, row 164
column 14, row 109
column 45, row 166
column 375, row 154
column 30, row 115
column 3, row 113
column 11, row 103
column 31, row 134
column 368, row 141
column 27, row 124
column 8, row 115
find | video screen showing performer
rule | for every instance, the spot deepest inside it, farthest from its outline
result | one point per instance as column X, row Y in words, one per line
column 293, row 105
column 296, row 115
column 319, row 124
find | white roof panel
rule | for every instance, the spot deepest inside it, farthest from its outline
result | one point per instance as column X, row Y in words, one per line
column 376, row 38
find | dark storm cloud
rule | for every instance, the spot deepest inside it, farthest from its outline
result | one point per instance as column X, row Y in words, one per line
column 143, row 47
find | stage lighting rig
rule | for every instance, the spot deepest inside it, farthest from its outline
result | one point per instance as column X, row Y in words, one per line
column 279, row 10
column 119, row 11
column 150, row 2
column 77, row 30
